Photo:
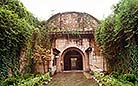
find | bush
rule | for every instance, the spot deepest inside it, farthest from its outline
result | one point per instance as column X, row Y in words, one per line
column 115, row 74
column 109, row 80
column 28, row 75
column 92, row 72
column 129, row 77
column 117, row 36
column 38, row 80
column 27, row 80
column 8, row 81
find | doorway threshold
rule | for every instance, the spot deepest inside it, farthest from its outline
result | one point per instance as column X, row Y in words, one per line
column 73, row 71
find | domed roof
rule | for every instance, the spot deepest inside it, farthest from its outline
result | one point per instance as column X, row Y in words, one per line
column 72, row 21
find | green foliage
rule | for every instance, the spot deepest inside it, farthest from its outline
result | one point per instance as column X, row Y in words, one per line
column 17, row 8
column 14, row 34
column 115, row 74
column 118, row 37
column 129, row 60
column 38, row 80
column 8, row 81
column 109, row 80
column 129, row 77
column 16, row 27
column 27, row 80
column 92, row 72
column 42, row 35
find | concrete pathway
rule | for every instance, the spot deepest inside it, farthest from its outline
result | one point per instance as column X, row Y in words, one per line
column 71, row 79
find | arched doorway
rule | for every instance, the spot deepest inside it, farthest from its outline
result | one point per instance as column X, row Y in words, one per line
column 73, row 60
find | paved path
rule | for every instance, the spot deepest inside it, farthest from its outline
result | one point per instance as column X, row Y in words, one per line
column 71, row 79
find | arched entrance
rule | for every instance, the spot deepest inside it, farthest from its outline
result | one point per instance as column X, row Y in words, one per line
column 73, row 59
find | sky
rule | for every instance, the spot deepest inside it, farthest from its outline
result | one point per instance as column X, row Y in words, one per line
column 44, row 9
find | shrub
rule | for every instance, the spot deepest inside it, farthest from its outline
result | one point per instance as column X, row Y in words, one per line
column 118, row 34
column 92, row 72
column 129, row 77
column 109, row 80
column 27, row 80
column 28, row 75
column 8, row 81
column 115, row 74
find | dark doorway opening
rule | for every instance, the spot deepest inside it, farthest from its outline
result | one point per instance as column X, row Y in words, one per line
column 73, row 60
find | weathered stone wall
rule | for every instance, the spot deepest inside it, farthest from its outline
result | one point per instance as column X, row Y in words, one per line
column 63, row 43
column 22, row 60
column 82, row 44
column 97, row 61
column 72, row 21
column 91, row 61
column 41, row 67
column 76, row 21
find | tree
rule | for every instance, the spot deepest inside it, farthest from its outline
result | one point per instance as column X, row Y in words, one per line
column 118, row 36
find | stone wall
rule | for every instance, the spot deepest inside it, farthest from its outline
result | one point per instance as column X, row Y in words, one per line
column 40, row 67
column 22, row 60
column 72, row 21
column 91, row 61
column 97, row 61
column 75, row 21
column 63, row 43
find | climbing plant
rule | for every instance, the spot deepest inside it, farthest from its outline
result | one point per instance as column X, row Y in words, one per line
column 16, row 27
column 41, row 51
column 17, row 7
column 117, row 35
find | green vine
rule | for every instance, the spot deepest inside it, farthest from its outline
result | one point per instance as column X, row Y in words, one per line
column 117, row 35
column 16, row 26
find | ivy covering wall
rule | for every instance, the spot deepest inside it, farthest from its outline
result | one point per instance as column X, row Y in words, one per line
column 16, row 27
column 117, row 35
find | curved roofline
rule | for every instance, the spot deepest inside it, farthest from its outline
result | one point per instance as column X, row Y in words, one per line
column 70, row 13
column 92, row 17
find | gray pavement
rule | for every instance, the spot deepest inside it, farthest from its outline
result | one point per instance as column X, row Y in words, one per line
column 71, row 79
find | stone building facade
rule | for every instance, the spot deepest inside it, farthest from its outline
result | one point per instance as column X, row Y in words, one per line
column 73, row 42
